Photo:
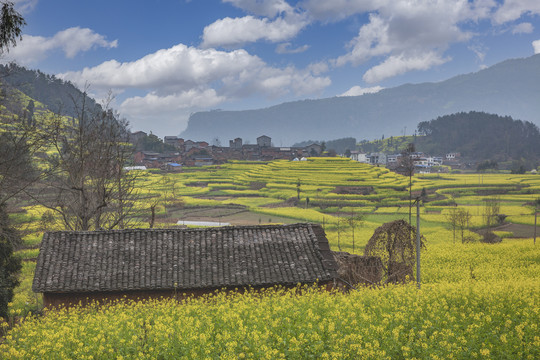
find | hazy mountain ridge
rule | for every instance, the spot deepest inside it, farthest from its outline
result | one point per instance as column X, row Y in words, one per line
column 509, row 88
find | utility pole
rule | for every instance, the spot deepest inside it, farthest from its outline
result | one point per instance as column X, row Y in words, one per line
column 536, row 203
column 418, row 280
column 535, row 213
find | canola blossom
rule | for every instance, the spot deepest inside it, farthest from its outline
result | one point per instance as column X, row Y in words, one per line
column 476, row 301
column 441, row 321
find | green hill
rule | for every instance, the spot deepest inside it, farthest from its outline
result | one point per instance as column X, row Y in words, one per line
column 56, row 95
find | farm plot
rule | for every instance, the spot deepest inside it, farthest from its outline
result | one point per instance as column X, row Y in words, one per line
column 465, row 285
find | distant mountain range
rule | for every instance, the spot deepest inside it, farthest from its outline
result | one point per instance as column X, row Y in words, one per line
column 510, row 88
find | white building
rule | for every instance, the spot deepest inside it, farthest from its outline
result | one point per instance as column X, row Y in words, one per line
column 360, row 157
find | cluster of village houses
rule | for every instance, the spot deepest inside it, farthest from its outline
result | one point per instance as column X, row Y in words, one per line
column 423, row 163
column 200, row 153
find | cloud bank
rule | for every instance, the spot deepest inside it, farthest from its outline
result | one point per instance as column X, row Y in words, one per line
column 190, row 78
column 72, row 41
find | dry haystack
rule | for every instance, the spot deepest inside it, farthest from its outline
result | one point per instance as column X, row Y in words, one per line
column 395, row 244
column 356, row 269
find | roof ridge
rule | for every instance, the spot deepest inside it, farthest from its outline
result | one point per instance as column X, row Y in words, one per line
column 210, row 228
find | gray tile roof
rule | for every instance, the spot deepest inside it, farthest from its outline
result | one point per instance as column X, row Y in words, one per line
column 151, row 259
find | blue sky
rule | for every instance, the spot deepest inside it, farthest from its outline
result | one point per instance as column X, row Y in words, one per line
column 165, row 59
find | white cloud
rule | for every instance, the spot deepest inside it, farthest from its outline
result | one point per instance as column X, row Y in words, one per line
column 192, row 98
column 513, row 9
column 536, row 46
column 523, row 28
column 285, row 48
column 230, row 32
column 399, row 64
column 268, row 8
column 181, row 68
column 357, row 91
column 318, row 68
column 71, row 41
column 170, row 111
column 183, row 79
column 479, row 51
column 410, row 35
column 75, row 40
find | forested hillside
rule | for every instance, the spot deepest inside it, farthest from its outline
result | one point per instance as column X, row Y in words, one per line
column 480, row 136
column 57, row 95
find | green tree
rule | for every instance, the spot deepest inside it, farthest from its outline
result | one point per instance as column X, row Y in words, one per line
column 10, row 265
column 29, row 113
column 11, row 23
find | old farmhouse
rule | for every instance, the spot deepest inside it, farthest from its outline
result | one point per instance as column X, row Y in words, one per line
column 150, row 263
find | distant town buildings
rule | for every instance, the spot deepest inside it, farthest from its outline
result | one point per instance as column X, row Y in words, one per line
column 264, row 141
column 199, row 153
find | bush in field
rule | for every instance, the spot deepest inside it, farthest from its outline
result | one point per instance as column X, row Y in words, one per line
column 490, row 238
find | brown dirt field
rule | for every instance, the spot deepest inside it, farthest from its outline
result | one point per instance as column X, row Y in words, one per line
column 519, row 230
column 234, row 216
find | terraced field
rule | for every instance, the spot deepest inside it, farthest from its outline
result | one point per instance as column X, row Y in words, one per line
column 477, row 301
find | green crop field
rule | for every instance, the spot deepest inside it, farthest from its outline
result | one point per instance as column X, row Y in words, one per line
column 477, row 300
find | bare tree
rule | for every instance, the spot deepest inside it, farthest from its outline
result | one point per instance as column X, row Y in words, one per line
column 458, row 219
column 90, row 187
column 451, row 219
column 462, row 221
column 19, row 143
column 492, row 208
column 406, row 167
column 355, row 220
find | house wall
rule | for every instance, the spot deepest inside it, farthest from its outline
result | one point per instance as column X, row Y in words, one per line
column 55, row 300
column 264, row 141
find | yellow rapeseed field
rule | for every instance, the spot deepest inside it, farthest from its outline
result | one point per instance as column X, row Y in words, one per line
column 476, row 301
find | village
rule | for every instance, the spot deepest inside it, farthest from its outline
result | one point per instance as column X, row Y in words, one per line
column 191, row 153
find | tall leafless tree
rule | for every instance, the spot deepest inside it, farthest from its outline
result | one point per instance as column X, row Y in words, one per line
column 463, row 218
column 492, row 207
column 89, row 187
column 406, row 167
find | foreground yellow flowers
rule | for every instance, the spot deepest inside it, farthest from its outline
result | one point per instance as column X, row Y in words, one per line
column 460, row 321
